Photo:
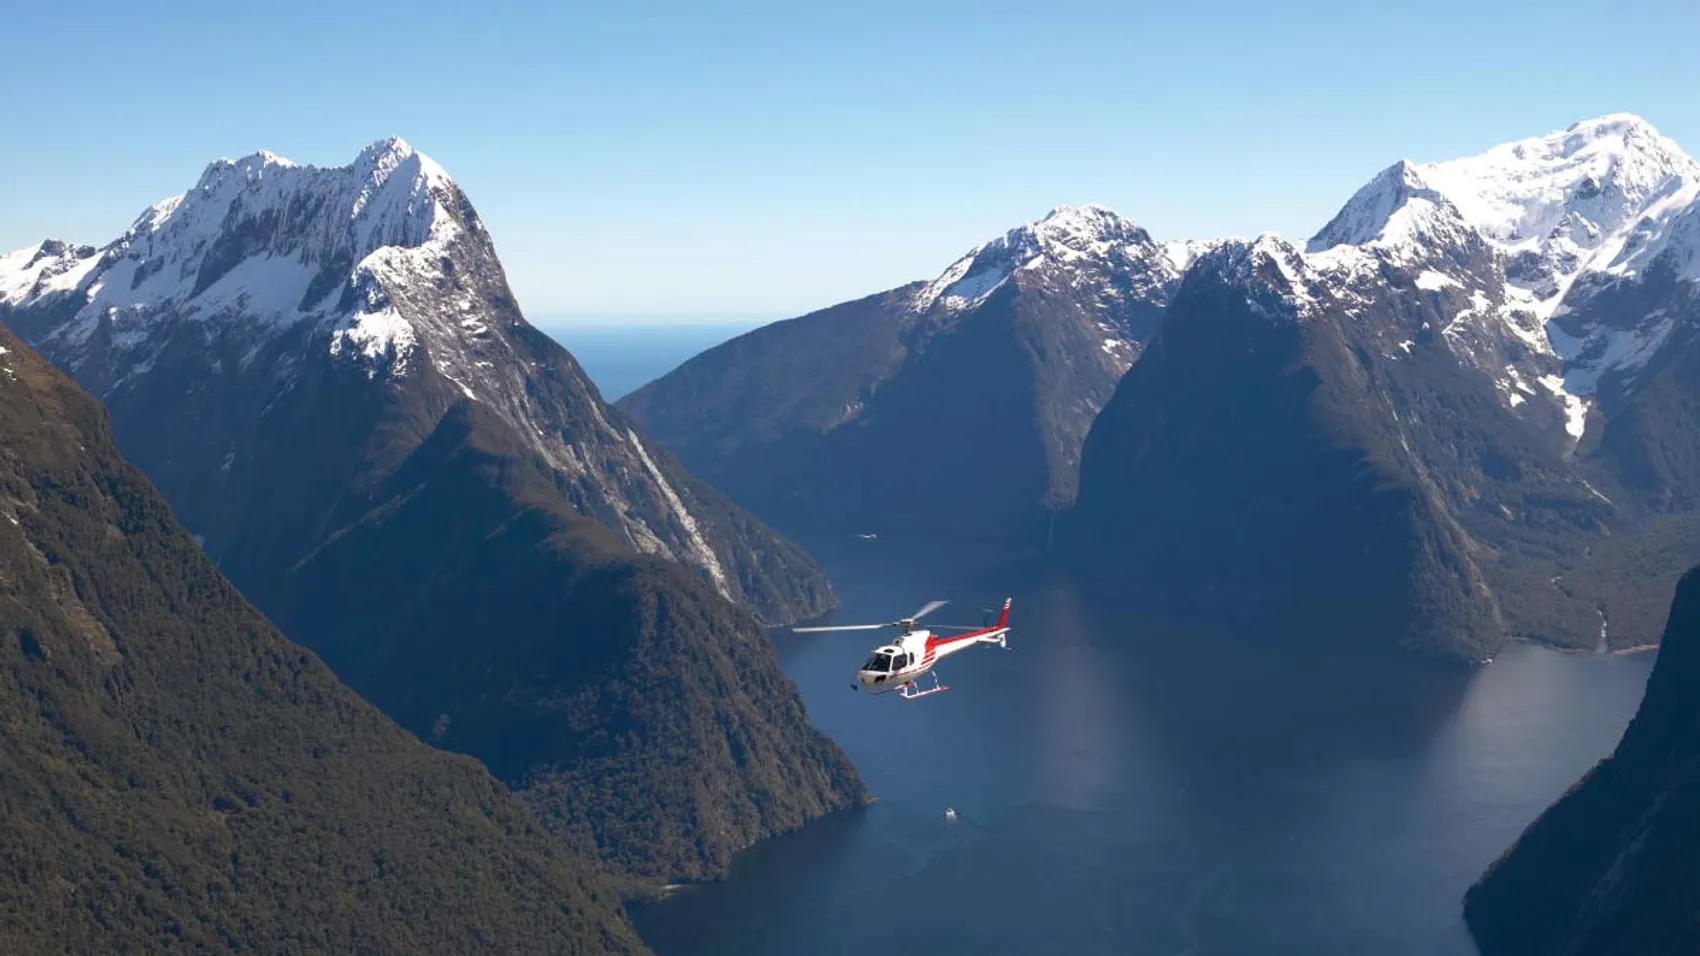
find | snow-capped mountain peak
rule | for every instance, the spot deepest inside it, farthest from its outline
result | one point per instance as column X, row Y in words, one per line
column 275, row 293
column 1396, row 210
column 1586, row 199
column 263, row 239
column 1530, row 233
column 1088, row 236
column 1609, row 169
column 1594, row 198
column 1274, row 275
column 390, row 150
column 1079, row 226
column 1183, row 253
column 42, row 269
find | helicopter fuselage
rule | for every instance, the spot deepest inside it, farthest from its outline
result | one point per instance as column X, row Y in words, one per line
column 899, row 664
column 895, row 666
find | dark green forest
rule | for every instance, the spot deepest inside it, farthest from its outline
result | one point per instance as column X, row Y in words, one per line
column 175, row 775
column 643, row 716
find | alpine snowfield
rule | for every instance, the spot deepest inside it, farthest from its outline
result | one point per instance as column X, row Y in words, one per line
column 1568, row 216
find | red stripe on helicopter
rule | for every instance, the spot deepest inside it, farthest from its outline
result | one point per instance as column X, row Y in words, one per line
column 933, row 642
column 1001, row 625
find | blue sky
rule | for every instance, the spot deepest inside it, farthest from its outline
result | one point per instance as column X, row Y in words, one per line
column 710, row 160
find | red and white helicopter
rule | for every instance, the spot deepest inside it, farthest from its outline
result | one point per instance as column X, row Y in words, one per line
column 916, row 651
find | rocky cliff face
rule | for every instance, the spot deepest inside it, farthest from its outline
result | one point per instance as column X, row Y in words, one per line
column 954, row 406
column 324, row 371
column 1609, row 868
column 175, row 774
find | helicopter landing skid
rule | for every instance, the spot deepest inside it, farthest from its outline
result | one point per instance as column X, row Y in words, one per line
column 909, row 691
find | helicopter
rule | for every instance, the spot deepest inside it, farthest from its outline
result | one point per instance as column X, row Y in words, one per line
column 897, row 665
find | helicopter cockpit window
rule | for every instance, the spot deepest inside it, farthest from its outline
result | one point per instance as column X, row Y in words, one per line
column 879, row 663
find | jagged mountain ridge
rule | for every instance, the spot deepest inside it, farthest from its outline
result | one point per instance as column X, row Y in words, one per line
column 865, row 415
column 409, row 478
column 385, row 266
column 1257, row 468
column 1600, row 205
column 175, row 774
column 1425, row 316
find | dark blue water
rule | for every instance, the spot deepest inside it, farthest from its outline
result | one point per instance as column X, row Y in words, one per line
column 623, row 358
column 1122, row 788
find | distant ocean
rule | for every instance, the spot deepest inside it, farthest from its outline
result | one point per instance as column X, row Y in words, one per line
column 622, row 358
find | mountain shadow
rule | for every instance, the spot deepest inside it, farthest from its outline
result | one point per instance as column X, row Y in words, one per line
column 1610, row 867
column 175, row 774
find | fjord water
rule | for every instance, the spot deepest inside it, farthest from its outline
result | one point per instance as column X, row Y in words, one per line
column 1121, row 787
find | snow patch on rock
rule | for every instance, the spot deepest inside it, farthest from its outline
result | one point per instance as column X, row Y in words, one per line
column 703, row 554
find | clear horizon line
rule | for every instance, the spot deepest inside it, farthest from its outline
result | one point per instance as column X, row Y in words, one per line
column 687, row 317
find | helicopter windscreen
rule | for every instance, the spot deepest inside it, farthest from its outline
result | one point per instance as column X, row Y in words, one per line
column 880, row 663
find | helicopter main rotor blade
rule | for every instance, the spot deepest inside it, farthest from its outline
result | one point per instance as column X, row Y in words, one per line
column 840, row 627
column 956, row 627
column 928, row 609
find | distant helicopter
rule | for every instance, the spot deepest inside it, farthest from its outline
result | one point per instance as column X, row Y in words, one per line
column 896, row 666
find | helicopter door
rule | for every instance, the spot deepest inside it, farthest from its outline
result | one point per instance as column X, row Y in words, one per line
column 900, row 660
